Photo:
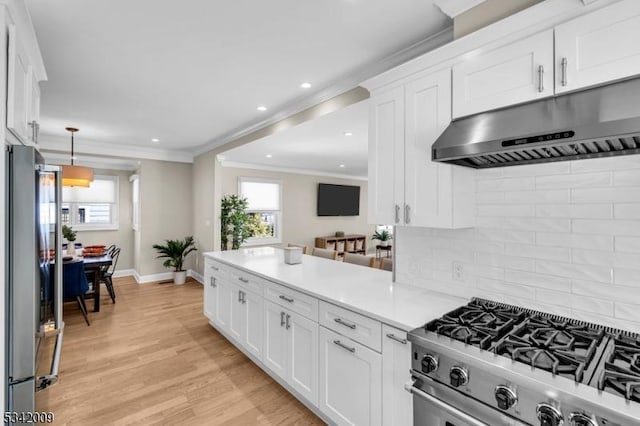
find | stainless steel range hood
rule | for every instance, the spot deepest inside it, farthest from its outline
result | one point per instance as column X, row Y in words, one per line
column 598, row 122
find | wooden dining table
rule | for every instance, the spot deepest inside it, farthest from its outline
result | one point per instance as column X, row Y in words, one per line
column 96, row 265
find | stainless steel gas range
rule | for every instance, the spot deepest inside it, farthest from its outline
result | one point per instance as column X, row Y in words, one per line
column 488, row 363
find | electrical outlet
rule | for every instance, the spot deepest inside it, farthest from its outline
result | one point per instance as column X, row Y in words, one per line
column 458, row 271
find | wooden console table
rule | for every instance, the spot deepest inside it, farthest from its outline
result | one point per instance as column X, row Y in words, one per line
column 356, row 243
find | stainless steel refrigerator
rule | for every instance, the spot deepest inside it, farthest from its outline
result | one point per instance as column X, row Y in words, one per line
column 34, row 286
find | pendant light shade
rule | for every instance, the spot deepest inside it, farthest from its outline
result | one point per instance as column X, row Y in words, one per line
column 76, row 175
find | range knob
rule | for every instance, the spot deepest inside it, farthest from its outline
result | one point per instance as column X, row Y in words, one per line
column 505, row 397
column 458, row 376
column 549, row 415
column 581, row 419
column 429, row 363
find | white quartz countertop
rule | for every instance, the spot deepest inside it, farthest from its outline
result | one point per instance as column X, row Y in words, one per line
column 365, row 290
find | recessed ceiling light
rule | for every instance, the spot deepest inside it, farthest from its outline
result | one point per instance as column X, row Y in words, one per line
column 348, row 133
column 268, row 155
column 306, row 85
column 262, row 108
column 341, row 166
column 155, row 140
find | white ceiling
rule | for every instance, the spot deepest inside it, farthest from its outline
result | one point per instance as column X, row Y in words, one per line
column 317, row 146
column 193, row 72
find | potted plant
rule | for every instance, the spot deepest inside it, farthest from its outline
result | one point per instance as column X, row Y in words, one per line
column 70, row 235
column 383, row 236
column 176, row 251
column 234, row 221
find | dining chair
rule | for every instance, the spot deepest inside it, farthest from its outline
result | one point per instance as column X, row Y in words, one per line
column 107, row 274
column 75, row 285
column 359, row 259
column 110, row 249
column 386, row 264
column 327, row 254
column 304, row 248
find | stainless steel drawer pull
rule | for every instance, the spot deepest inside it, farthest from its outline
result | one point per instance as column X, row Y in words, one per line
column 213, row 282
column 343, row 346
column 453, row 411
column 244, row 280
column 282, row 315
column 286, row 299
column 214, row 268
column 397, row 339
column 345, row 323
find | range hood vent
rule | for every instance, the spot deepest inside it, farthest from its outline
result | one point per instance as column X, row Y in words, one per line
column 598, row 122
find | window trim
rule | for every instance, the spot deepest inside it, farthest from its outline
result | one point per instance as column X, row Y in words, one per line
column 115, row 210
column 277, row 238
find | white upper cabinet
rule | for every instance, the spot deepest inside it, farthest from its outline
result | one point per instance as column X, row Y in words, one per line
column 599, row 47
column 18, row 88
column 405, row 186
column 34, row 110
column 511, row 74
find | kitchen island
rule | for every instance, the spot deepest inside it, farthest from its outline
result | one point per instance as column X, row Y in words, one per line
column 334, row 334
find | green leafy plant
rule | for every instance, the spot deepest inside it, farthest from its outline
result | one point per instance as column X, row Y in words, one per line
column 69, row 233
column 258, row 228
column 175, row 251
column 234, row 221
column 383, row 235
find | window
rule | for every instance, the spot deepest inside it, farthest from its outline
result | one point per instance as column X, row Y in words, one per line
column 92, row 208
column 265, row 216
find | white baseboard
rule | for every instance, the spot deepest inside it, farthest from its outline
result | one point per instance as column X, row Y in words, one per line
column 124, row 273
column 143, row 279
column 196, row 276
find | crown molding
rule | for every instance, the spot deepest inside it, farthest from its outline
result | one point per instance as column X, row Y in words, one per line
column 59, row 144
column 344, row 84
column 108, row 163
column 453, row 8
column 24, row 27
column 239, row 165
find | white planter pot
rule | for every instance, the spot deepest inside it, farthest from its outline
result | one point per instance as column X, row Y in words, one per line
column 384, row 243
column 71, row 249
column 179, row 277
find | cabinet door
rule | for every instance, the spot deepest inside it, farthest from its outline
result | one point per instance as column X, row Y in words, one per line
column 386, row 156
column 599, row 47
column 223, row 302
column 275, row 351
column 303, row 356
column 505, row 76
column 34, row 110
column 210, row 296
column 18, row 88
column 350, row 381
column 252, row 305
column 237, row 314
column 397, row 409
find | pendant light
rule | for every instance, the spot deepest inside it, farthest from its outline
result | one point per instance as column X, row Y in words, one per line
column 76, row 175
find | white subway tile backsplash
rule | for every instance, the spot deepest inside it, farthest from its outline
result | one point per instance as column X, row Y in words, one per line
column 585, row 180
column 627, row 211
column 559, row 237
column 627, row 244
column 578, row 211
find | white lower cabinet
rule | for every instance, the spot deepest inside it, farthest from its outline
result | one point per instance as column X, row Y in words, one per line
column 245, row 318
column 291, row 349
column 350, row 381
column 396, row 364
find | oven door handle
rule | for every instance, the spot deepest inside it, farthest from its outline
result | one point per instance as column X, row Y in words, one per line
column 472, row 421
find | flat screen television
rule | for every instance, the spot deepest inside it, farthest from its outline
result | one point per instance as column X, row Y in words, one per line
column 338, row 200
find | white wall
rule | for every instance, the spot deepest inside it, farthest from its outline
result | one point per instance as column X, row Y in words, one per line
column 558, row 237
column 300, row 223
column 203, row 206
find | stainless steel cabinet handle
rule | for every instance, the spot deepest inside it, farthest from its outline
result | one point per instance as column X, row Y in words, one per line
column 345, row 323
column 397, row 339
column 244, row 280
column 282, row 315
column 32, row 124
column 563, row 73
column 343, row 346
column 397, row 213
column 239, row 296
column 453, row 411
column 244, row 297
column 407, row 214
column 213, row 282
column 540, row 79
column 288, row 326
column 286, row 299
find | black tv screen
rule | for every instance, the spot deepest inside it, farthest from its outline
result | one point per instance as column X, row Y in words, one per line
column 338, row 200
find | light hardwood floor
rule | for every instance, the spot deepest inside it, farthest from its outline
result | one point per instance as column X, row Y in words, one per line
column 153, row 359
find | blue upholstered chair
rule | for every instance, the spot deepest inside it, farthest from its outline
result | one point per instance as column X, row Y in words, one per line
column 75, row 285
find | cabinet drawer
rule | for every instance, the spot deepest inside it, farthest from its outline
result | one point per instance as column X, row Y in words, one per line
column 247, row 281
column 215, row 268
column 355, row 326
column 293, row 300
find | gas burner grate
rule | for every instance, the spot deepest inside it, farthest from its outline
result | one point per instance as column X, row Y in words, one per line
column 621, row 372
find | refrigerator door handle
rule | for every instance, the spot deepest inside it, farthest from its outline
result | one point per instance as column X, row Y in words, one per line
column 43, row 382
